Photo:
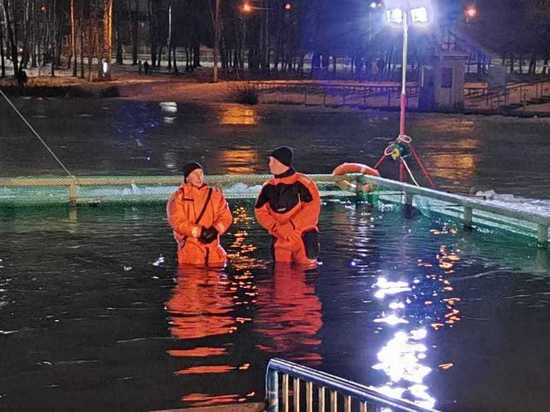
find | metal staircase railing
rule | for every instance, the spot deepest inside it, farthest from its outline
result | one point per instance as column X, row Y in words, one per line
column 354, row 396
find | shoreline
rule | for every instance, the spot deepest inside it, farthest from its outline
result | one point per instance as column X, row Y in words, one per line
column 195, row 88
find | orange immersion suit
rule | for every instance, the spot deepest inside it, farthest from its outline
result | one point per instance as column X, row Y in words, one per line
column 192, row 209
column 288, row 208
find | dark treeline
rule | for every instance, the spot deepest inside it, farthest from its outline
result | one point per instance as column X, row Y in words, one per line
column 297, row 37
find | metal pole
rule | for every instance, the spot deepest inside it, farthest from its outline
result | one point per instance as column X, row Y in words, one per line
column 403, row 102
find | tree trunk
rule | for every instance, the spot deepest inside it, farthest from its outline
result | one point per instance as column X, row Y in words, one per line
column 53, row 35
column 169, row 42
column 107, row 30
column 11, row 36
column 118, row 33
column 2, row 57
column 73, row 40
column 217, row 23
column 134, row 17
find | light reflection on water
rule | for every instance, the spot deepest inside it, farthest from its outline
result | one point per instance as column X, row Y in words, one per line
column 90, row 304
column 237, row 115
column 125, row 137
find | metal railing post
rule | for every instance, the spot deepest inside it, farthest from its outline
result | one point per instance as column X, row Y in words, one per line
column 272, row 391
column 73, row 193
column 286, row 405
column 468, row 213
column 542, row 236
column 309, row 397
column 296, row 389
column 333, row 401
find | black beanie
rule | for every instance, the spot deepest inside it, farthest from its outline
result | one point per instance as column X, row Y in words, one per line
column 189, row 167
column 283, row 154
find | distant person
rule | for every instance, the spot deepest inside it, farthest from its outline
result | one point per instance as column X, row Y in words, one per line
column 288, row 207
column 146, row 67
column 198, row 215
column 380, row 64
column 21, row 78
column 140, row 67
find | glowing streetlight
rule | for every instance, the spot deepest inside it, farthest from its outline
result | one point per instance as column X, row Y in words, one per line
column 470, row 12
column 403, row 13
column 247, row 8
column 288, row 6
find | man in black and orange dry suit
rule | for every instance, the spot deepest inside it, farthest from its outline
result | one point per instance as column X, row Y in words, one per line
column 198, row 215
column 288, row 208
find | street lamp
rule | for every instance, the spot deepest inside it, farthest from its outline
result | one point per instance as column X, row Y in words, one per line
column 403, row 13
column 470, row 12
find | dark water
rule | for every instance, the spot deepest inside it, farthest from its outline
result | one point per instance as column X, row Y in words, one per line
column 117, row 137
column 94, row 314
column 92, row 317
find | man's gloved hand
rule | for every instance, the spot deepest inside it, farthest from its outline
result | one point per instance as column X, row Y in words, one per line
column 208, row 235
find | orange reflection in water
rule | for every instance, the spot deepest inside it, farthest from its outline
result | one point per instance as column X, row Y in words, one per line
column 203, row 399
column 197, row 352
column 201, row 304
column 458, row 162
column 239, row 116
column 241, row 252
column 240, row 160
column 289, row 315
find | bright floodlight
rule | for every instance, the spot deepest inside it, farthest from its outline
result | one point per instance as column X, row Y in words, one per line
column 394, row 16
column 470, row 12
column 419, row 15
column 247, row 8
column 373, row 4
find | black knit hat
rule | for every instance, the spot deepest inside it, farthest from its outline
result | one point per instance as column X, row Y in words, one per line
column 189, row 167
column 283, row 154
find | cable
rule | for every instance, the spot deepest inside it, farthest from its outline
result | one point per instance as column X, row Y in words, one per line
column 409, row 171
column 37, row 135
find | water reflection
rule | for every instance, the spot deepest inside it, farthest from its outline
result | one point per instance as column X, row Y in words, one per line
column 288, row 314
column 238, row 116
column 240, row 160
column 168, row 108
column 201, row 305
column 242, row 251
column 412, row 309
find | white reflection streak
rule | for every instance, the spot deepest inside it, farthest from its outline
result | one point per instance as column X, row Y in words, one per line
column 399, row 359
column 391, row 320
column 169, row 107
column 390, row 288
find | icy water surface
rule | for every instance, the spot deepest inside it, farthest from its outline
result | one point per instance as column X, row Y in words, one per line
column 95, row 316
column 103, row 137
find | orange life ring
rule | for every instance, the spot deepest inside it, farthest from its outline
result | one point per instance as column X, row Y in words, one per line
column 347, row 184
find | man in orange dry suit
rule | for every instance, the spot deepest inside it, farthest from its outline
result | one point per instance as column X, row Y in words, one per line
column 198, row 215
column 288, row 208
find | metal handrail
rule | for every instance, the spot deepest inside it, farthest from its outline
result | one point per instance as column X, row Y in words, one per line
column 142, row 180
column 74, row 183
column 336, row 385
column 469, row 204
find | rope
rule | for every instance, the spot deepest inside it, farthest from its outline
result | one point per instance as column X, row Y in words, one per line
column 37, row 135
column 409, row 171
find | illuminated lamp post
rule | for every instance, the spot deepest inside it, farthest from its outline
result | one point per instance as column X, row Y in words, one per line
column 470, row 12
column 248, row 8
column 404, row 13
